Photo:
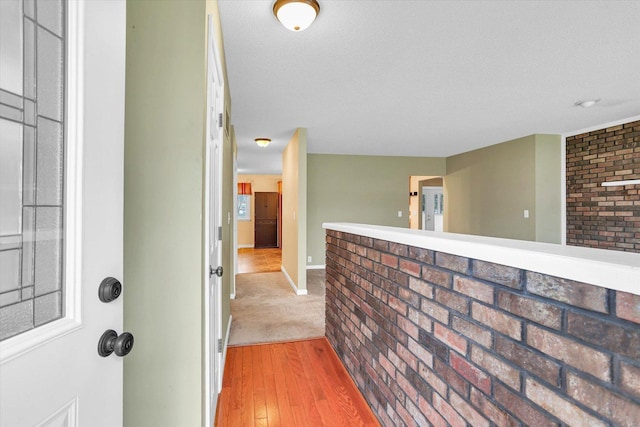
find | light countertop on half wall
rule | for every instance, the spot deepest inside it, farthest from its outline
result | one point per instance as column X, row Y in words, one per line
column 609, row 269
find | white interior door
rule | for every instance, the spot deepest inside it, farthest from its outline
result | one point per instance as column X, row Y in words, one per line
column 432, row 218
column 62, row 80
column 215, row 128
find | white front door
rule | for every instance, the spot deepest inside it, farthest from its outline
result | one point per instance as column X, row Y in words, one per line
column 213, row 283
column 62, row 95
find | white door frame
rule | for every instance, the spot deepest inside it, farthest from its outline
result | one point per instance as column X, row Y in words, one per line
column 213, row 168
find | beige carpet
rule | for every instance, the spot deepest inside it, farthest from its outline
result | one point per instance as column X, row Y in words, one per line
column 266, row 309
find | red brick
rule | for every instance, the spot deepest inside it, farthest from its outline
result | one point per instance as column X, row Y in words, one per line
column 417, row 417
column 522, row 409
column 472, row 331
column 452, row 262
column 497, row 320
column 473, row 288
column 450, row 338
column 467, row 411
column 436, row 311
column 407, row 388
column 432, row 379
column 420, row 319
column 404, row 415
column 407, row 357
column 630, row 378
column 447, row 411
column 569, row 351
column 410, row 267
column 558, row 406
column 436, row 276
column 611, row 336
column 528, row 360
column 387, row 365
column 408, row 327
column 474, row 375
column 494, row 413
column 619, row 409
column 573, row 293
column 399, row 249
column 628, row 306
column 496, row 367
column 425, row 256
column 421, row 353
column 430, row 412
column 397, row 305
column 452, row 300
column 451, row 377
column 501, row 274
column 537, row 311
column 421, row 287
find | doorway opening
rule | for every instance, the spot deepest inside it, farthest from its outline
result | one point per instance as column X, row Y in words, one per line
column 426, row 203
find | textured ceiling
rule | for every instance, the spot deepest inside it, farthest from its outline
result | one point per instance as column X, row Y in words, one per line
column 426, row 78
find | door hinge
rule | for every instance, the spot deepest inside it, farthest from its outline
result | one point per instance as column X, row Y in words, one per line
column 220, row 233
column 219, row 345
column 219, row 120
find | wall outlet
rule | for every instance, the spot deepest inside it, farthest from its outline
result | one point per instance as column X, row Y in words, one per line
column 399, row 214
column 308, row 259
column 526, row 213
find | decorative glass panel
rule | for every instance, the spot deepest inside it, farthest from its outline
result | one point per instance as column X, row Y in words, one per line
column 32, row 153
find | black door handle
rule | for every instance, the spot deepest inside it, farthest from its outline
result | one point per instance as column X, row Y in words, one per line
column 110, row 342
column 218, row 271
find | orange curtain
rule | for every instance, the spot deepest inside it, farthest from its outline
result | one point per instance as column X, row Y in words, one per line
column 244, row 188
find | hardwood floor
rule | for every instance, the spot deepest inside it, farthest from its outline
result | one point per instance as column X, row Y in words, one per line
column 259, row 260
column 301, row 383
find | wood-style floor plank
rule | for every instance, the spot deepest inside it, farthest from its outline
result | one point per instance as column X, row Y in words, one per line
column 300, row 383
column 259, row 260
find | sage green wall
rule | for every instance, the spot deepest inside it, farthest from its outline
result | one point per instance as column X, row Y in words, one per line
column 164, row 205
column 487, row 190
column 362, row 189
column 548, row 188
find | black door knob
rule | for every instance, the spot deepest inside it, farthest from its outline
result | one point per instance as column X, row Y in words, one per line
column 109, row 289
column 110, row 342
column 218, row 271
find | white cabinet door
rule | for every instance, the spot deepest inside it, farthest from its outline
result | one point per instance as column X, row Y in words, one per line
column 50, row 370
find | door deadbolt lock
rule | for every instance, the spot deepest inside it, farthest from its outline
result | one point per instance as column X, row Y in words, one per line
column 109, row 289
column 218, row 271
column 110, row 342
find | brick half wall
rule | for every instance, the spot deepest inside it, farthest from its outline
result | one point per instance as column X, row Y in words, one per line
column 436, row 339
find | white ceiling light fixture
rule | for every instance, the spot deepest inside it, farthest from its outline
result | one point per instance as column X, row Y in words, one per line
column 296, row 15
column 262, row 142
column 587, row 103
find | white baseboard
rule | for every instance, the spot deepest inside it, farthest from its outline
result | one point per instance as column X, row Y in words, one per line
column 293, row 285
column 245, row 246
column 316, row 267
column 224, row 351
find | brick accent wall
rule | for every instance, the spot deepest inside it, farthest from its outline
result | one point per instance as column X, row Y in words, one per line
column 604, row 217
column 436, row 339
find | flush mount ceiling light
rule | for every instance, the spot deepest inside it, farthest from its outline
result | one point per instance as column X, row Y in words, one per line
column 262, row 142
column 296, row 15
column 587, row 103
